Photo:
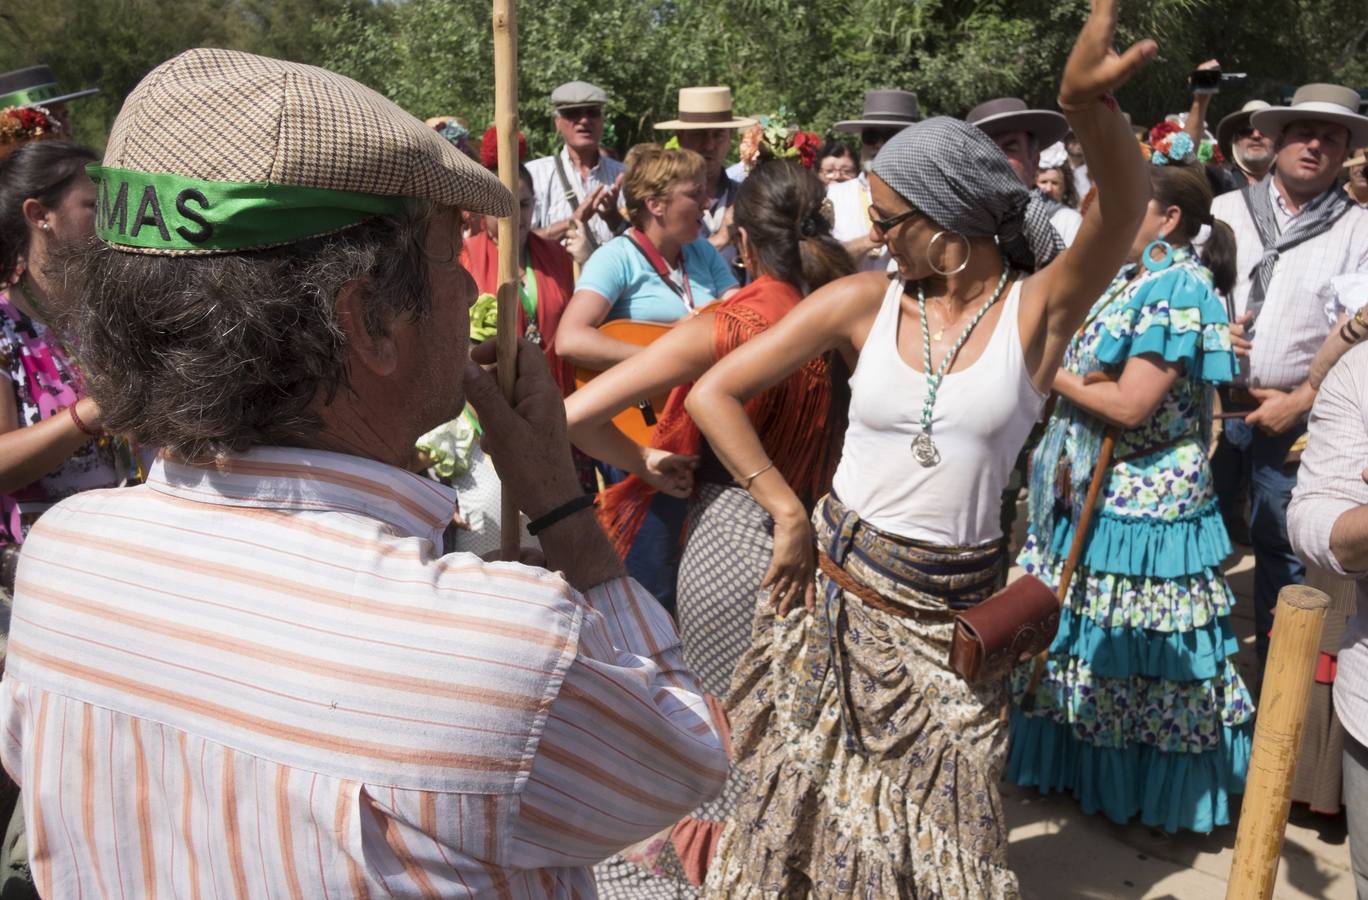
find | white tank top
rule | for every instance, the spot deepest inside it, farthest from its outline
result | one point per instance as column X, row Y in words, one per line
column 982, row 417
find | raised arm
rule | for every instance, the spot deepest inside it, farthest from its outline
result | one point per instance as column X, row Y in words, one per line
column 838, row 316
column 1057, row 298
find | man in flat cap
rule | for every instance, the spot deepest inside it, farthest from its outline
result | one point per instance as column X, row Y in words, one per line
column 578, row 186
column 1295, row 231
column 259, row 674
column 1019, row 133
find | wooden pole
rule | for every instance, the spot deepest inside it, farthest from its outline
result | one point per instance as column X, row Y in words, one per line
column 1292, row 652
column 506, row 127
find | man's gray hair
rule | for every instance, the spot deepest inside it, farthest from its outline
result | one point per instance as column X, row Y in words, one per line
column 207, row 355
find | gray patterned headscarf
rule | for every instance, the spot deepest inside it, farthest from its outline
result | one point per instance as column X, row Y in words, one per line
column 954, row 173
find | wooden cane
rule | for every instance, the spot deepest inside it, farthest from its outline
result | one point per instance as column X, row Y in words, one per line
column 1292, row 653
column 506, row 129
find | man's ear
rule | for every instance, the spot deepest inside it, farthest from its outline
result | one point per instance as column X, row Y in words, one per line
column 376, row 352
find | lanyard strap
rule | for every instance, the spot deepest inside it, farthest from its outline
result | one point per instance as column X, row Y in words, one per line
column 527, row 293
column 648, row 250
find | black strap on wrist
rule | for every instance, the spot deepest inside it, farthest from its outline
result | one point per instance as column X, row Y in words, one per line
column 565, row 510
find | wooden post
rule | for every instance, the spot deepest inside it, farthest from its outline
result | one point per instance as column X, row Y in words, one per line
column 1292, row 652
column 506, row 127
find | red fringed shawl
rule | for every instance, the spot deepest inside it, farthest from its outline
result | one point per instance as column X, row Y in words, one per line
column 791, row 417
column 554, row 270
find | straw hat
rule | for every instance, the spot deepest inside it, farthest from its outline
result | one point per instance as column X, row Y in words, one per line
column 295, row 152
column 704, row 107
column 1321, row 103
column 1004, row 114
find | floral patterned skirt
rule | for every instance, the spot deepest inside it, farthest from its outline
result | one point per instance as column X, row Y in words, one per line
column 913, row 809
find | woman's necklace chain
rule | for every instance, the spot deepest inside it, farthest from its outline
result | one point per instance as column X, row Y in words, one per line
column 923, row 447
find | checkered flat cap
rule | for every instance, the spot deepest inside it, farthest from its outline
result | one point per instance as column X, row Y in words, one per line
column 227, row 116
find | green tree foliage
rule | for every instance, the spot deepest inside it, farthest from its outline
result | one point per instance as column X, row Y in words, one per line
column 813, row 59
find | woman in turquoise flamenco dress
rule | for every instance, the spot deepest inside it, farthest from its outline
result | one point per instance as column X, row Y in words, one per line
column 1140, row 710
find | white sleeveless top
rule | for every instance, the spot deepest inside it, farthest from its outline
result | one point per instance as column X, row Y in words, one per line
column 982, row 417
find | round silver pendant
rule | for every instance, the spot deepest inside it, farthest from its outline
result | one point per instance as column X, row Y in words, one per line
column 924, row 450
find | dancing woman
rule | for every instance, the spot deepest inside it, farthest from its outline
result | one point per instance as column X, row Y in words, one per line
column 870, row 767
column 786, row 244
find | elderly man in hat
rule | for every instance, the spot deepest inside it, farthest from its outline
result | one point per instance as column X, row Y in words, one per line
column 37, row 86
column 886, row 112
column 1248, row 151
column 1294, row 231
column 577, row 188
column 259, row 674
column 705, row 125
column 1019, row 133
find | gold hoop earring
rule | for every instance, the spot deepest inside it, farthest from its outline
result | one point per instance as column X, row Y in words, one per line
column 947, row 272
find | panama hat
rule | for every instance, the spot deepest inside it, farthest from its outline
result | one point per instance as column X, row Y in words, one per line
column 35, row 86
column 1226, row 128
column 705, row 107
column 1321, row 103
column 295, row 152
column 1005, row 114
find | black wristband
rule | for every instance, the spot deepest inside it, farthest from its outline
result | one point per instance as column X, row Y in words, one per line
column 566, row 509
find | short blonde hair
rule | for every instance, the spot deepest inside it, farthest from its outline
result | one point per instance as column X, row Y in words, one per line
column 652, row 172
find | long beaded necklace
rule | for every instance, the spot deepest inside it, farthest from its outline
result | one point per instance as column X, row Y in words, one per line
column 923, row 448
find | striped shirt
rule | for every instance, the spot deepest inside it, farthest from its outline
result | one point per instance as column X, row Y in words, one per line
column 1291, row 326
column 260, row 680
column 1330, row 484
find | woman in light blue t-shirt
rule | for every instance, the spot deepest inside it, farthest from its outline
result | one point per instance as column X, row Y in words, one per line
column 660, row 270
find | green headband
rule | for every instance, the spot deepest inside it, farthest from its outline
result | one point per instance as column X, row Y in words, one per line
column 30, row 96
column 173, row 214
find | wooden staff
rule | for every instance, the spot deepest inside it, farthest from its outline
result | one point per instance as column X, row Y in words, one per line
column 506, row 128
column 1292, row 652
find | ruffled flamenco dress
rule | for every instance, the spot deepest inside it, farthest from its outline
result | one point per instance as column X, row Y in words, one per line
column 1141, row 710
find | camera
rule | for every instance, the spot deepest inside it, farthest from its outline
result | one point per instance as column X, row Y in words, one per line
column 1206, row 80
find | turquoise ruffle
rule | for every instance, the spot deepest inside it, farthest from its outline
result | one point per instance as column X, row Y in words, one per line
column 1136, row 601
column 1167, row 790
column 1195, row 655
column 1178, row 316
column 1133, row 545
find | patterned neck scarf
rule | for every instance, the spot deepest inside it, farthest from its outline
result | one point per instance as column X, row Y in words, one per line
column 1315, row 218
column 954, row 173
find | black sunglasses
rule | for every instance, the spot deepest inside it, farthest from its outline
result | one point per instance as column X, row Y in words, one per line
column 571, row 113
column 888, row 224
column 1246, row 132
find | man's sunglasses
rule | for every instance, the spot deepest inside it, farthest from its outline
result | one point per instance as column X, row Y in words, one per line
column 893, row 221
column 1247, row 132
column 571, row 113
column 872, row 136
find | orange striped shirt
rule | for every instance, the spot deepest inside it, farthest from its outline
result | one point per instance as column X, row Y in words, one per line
column 263, row 680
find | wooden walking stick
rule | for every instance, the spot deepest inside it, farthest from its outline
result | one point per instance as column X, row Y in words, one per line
column 1292, row 652
column 506, row 128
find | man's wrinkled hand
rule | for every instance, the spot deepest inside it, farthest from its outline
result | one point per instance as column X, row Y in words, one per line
column 1278, row 411
column 526, row 440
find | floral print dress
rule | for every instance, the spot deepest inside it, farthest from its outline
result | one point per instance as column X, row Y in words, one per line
column 45, row 383
column 1141, row 710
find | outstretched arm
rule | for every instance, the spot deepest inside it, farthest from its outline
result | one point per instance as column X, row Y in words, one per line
column 1058, row 297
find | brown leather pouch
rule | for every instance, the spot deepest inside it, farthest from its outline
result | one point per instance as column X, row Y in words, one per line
column 992, row 636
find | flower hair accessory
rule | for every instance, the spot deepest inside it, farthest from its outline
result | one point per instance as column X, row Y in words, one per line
column 773, row 138
column 21, row 124
column 1176, row 148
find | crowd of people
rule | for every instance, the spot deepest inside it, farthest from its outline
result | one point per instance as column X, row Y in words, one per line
column 772, row 423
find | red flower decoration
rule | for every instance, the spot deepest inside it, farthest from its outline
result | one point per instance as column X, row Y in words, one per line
column 807, row 143
column 1163, row 130
column 489, row 149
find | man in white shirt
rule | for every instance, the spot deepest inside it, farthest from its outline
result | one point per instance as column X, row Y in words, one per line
column 579, row 184
column 1020, row 133
column 886, row 112
column 1294, row 231
column 705, row 125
